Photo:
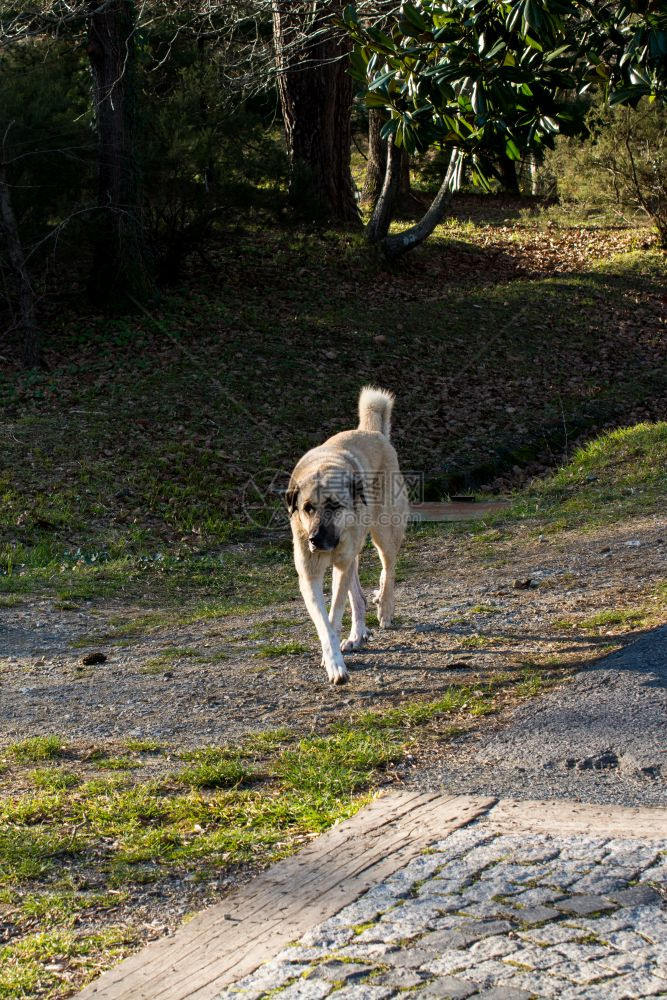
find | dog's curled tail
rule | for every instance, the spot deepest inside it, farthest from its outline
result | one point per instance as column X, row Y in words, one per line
column 375, row 406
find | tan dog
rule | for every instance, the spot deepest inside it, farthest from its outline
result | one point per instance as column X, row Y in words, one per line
column 338, row 492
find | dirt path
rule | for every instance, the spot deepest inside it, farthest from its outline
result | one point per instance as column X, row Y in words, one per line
column 461, row 616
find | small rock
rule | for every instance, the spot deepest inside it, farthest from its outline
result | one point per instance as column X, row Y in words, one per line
column 92, row 658
column 603, row 761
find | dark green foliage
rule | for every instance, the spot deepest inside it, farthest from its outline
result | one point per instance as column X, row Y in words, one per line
column 483, row 78
column 205, row 161
column 206, row 154
column 49, row 148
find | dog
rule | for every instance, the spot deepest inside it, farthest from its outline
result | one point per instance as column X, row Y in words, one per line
column 337, row 493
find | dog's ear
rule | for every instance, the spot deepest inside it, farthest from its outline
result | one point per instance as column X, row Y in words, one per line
column 292, row 498
column 357, row 488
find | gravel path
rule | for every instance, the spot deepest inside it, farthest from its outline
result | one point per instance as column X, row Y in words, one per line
column 460, row 619
column 494, row 916
column 602, row 737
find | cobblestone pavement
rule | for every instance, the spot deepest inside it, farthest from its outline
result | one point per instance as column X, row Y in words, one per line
column 493, row 916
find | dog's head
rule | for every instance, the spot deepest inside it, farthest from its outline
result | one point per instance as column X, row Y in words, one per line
column 325, row 504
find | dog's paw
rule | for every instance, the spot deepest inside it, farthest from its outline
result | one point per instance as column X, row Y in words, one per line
column 336, row 670
column 355, row 641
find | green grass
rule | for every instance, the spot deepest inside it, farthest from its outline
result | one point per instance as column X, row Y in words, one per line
column 36, row 748
column 632, row 618
column 618, row 475
column 53, row 778
column 213, row 768
column 30, row 966
column 282, row 649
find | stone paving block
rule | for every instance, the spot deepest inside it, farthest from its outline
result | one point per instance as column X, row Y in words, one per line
column 581, row 952
column 409, row 958
column 494, row 947
column 305, row 989
column 450, row 960
column 364, row 991
column 327, row 936
column 584, row 848
column 489, row 910
column 553, row 934
column 597, row 883
column 536, row 897
column 504, row 993
column 624, row 940
column 465, row 934
column 270, row 976
column 534, row 957
column 636, row 985
column 536, row 915
column 463, row 840
column 368, row 907
column 489, row 973
column 517, row 874
column 297, row 953
column 539, row 984
column 582, row 973
column 650, row 921
column 372, row 951
column 584, row 905
column 391, row 934
column 658, row 873
column 340, row 972
column 640, row 960
column 446, row 988
column 400, row 979
column 529, row 853
column 636, row 895
column 560, row 876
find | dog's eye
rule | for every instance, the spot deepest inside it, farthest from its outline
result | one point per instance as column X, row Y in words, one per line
column 308, row 508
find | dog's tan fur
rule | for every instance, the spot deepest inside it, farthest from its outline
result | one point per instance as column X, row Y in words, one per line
column 338, row 492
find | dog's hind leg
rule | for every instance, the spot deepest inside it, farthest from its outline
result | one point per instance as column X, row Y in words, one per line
column 332, row 657
column 358, row 633
column 387, row 540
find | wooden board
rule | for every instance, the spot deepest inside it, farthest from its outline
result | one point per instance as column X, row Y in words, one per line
column 455, row 510
column 563, row 818
column 230, row 940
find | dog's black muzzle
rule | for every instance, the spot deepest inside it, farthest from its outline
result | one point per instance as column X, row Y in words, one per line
column 324, row 539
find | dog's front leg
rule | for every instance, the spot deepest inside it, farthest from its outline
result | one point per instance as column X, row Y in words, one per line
column 332, row 658
column 339, row 588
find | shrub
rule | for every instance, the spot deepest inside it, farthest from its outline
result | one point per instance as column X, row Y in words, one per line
column 622, row 165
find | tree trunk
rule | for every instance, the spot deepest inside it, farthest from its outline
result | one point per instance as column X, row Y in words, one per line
column 395, row 246
column 380, row 220
column 119, row 265
column 377, row 164
column 25, row 295
column 508, row 177
column 316, row 98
